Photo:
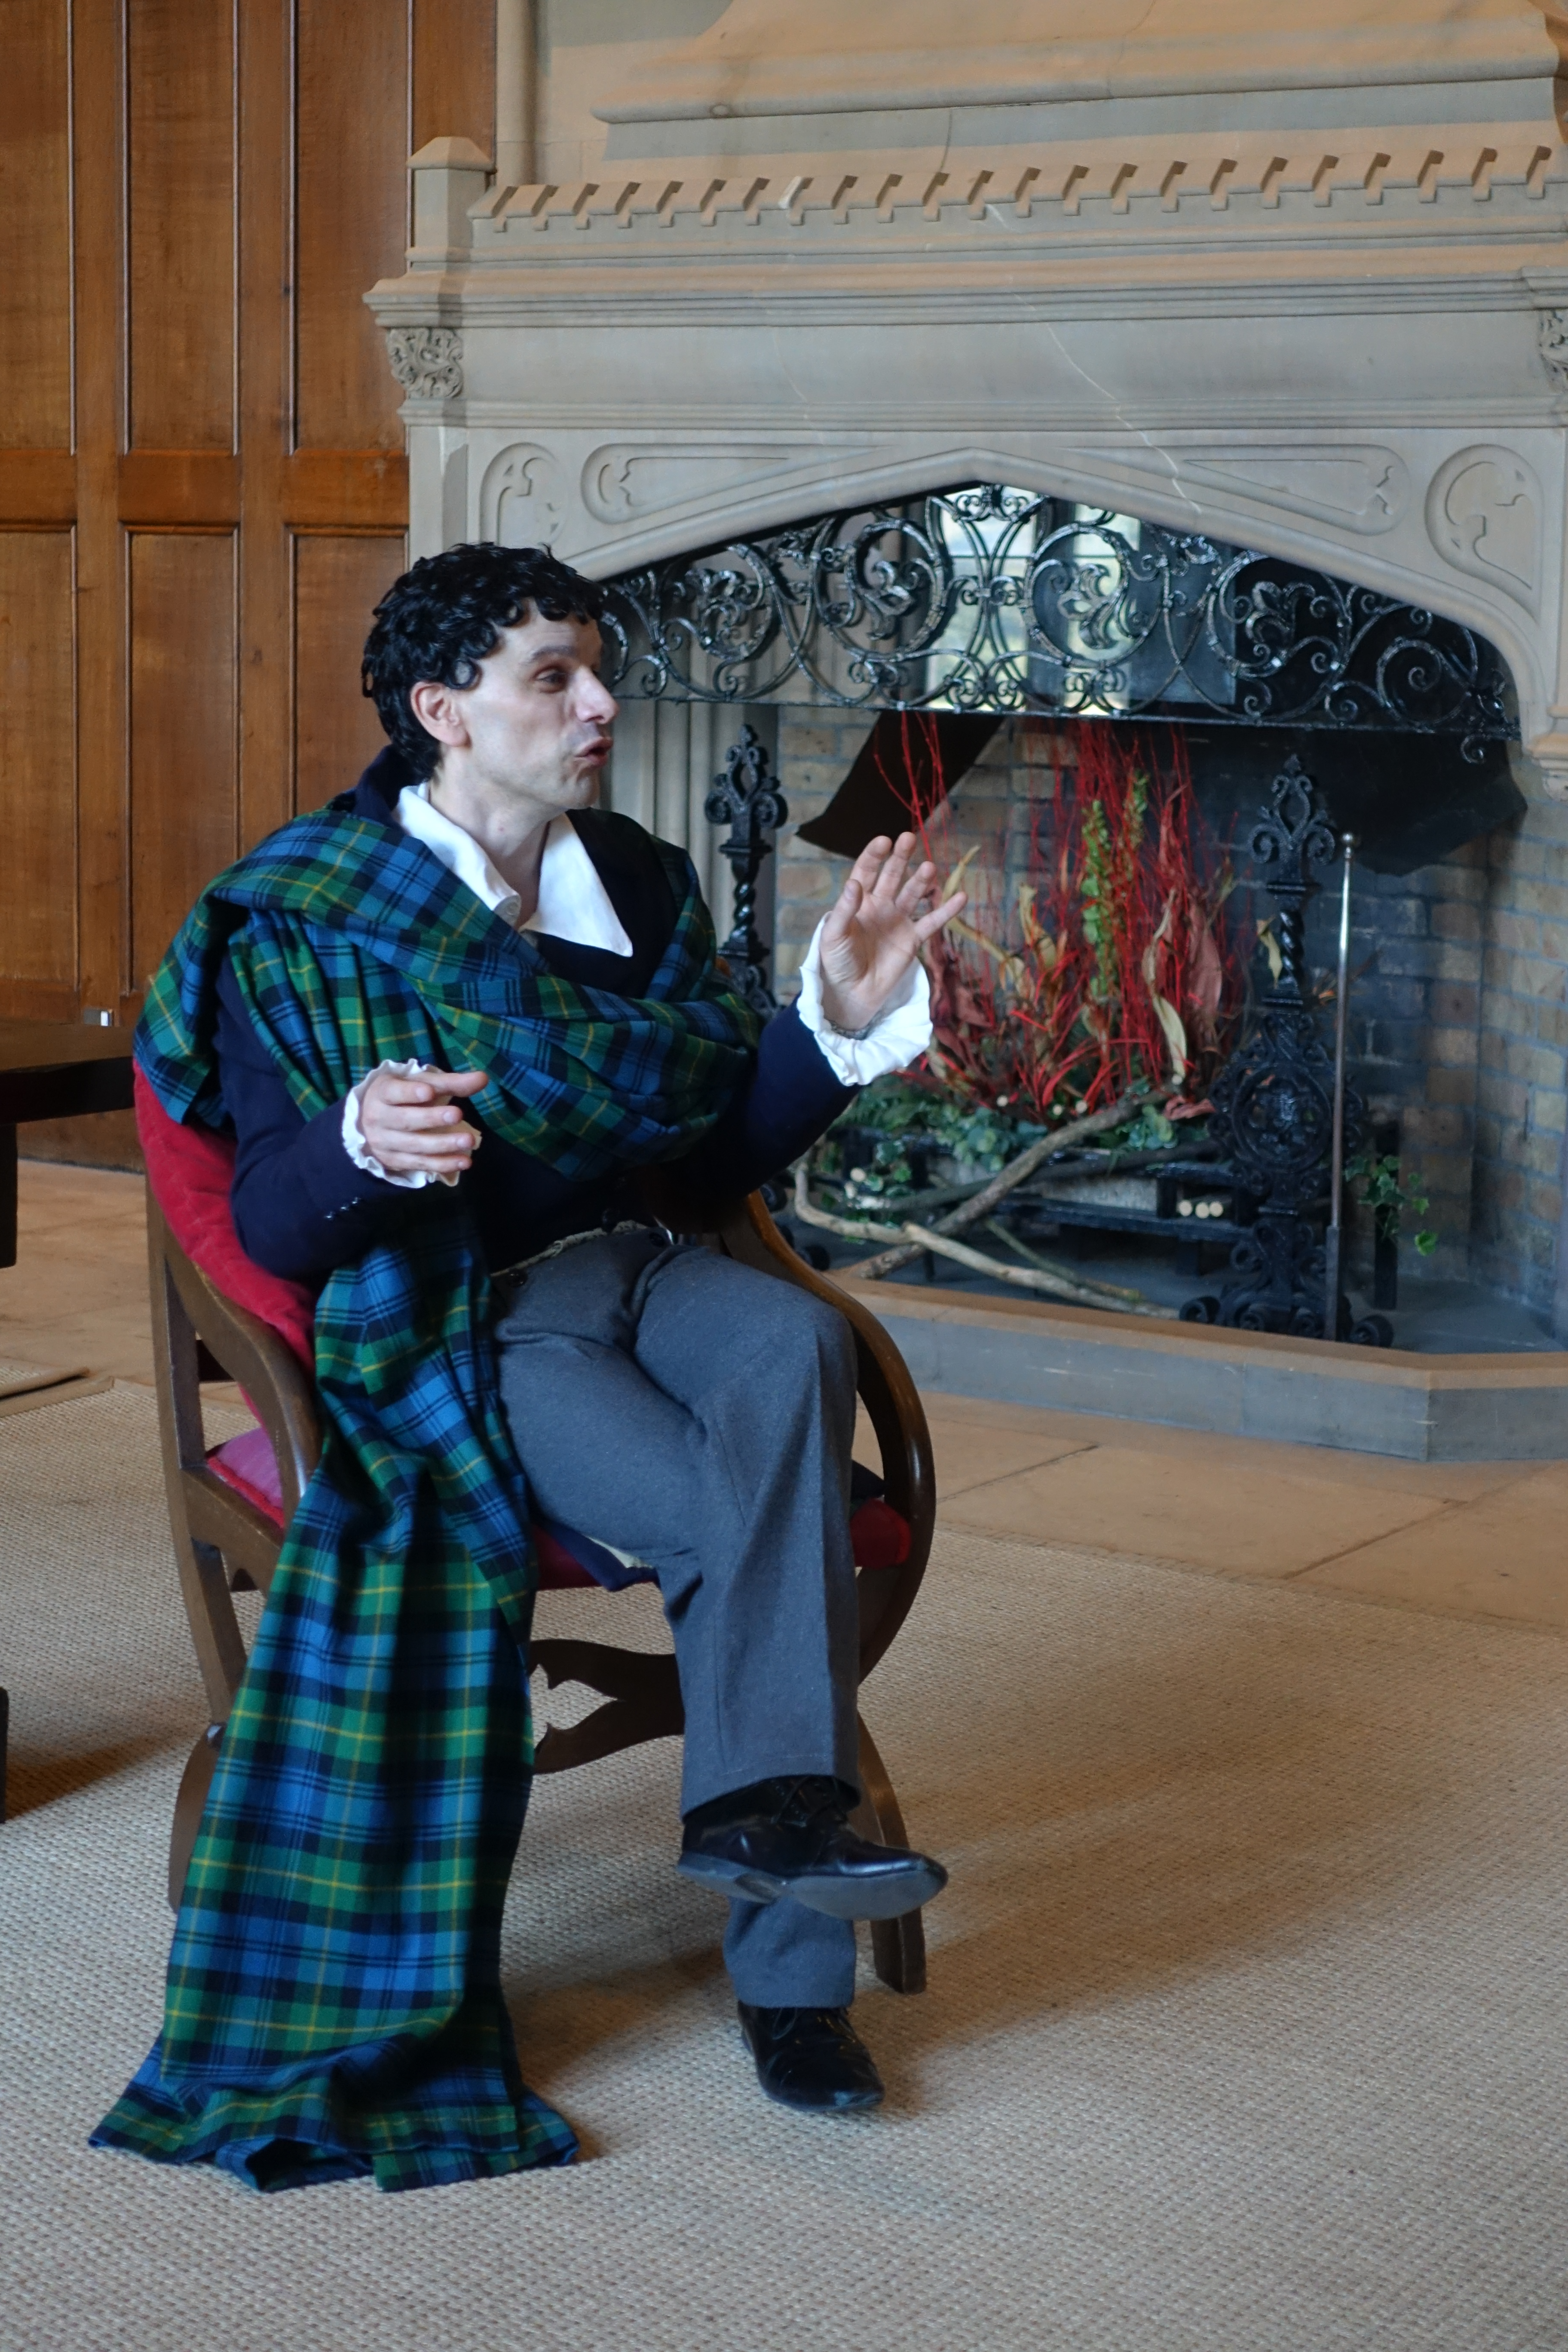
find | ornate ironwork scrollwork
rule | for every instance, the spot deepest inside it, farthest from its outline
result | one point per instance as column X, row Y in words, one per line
column 1274, row 1100
column 746, row 798
column 989, row 598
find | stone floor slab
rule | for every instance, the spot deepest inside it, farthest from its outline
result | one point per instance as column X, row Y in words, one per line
column 1250, row 1521
column 1504, row 1556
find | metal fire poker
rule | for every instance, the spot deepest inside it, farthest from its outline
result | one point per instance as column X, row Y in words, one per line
column 1333, row 1238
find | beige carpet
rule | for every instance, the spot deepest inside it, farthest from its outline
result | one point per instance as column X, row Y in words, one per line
column 1247, row 2029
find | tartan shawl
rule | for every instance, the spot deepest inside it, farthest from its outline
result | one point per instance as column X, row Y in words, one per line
column 334, row 2004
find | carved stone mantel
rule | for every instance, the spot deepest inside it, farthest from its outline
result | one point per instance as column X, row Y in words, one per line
column 1198, row 276
column 806, row 58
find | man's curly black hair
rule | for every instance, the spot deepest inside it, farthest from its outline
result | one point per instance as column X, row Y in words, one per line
column 442, row 618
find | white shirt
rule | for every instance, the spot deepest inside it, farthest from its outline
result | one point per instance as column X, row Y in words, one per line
column 574, row 905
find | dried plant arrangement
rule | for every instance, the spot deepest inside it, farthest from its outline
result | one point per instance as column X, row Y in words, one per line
column 1114, row 966
column 1079, row 1012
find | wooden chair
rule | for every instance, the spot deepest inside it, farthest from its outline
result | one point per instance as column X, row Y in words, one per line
column 223, row 1541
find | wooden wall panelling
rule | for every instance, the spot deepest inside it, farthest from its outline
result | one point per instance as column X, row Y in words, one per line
column 229, row 451
column 266, row 744
column 96, row 134
column 35, row 227
column 455, row 72
column 184, row 796
column 180, row 229
column 178, row 486
column 346, row 489
column 178, row 466
column 337, row 581
column 38, row 486
column 37, row 774
column 352, row 131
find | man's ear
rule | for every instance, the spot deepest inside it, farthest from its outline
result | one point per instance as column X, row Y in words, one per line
column 439, row 710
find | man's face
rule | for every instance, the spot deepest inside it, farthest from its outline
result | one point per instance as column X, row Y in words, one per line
column 538, row 721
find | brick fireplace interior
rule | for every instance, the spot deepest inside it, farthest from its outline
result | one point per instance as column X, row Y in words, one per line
column 1458, row 1025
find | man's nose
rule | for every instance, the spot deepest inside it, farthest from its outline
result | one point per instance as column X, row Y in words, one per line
column 594, row 700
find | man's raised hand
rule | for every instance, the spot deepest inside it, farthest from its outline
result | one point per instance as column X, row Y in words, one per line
column 875, row 932
column 414, row 1127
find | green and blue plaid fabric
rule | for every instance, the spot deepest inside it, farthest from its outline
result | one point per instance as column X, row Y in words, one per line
column 334, row 2004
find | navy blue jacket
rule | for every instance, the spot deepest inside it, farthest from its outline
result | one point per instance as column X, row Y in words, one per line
column 302, row 1207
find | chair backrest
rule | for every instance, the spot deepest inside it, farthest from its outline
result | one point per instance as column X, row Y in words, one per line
column 199, row 1335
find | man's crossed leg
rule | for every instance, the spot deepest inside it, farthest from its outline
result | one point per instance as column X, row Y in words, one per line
column 676, row 1406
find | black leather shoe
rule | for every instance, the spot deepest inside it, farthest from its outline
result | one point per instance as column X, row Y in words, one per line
column 792, row 1837
column 811, row 2058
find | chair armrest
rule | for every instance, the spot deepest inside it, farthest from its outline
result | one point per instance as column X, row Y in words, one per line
column 281, row 1391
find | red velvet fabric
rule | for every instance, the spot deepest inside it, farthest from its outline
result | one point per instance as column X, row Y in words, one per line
column 191, row 1170
column 879, row 1535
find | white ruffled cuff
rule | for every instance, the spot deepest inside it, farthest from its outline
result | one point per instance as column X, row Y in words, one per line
column 899, row 1035
column 359, row 1151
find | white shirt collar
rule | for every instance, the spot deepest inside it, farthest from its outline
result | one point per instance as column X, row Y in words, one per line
column 574, row 904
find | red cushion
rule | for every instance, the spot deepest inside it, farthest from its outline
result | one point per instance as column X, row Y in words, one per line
column 191, row 1170
column 879, row 1535
column 558, row 1570
column 249, row 1464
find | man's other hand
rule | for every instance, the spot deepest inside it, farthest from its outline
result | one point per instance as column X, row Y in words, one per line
column 414, row 1127
column 875, row 930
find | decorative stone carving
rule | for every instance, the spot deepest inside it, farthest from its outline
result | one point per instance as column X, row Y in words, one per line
column 1217, row 314
column 1483, row 514
column 625, row 480
column 1549, row 756
column 1365, row 489
column 426, row 361
column 523, row 498
column 1177, row 185
column 449, row 176
column 1551, row 337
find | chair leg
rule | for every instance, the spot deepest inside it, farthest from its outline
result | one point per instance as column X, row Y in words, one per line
column 214, row 1628
column 898, row 1946
column 189, row 1806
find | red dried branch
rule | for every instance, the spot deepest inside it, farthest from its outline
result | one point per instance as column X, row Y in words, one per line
column 1114, row 967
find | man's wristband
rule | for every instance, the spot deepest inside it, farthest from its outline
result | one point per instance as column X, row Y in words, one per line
column 854, row 1036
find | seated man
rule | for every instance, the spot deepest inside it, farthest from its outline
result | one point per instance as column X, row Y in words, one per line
column 449, row 1019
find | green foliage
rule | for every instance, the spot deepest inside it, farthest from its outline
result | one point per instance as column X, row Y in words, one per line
column 1094, row 888
column 902, row 1114
column 980, row 1137
column 886, row 1174
column 895, row 1106
column 1150, row 1131
column 1378, row 1185
column 1107, row 882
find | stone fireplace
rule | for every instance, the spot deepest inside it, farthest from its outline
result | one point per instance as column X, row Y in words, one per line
column 1297, row 285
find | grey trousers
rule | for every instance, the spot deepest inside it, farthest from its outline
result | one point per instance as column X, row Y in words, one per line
column 677, row 1405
